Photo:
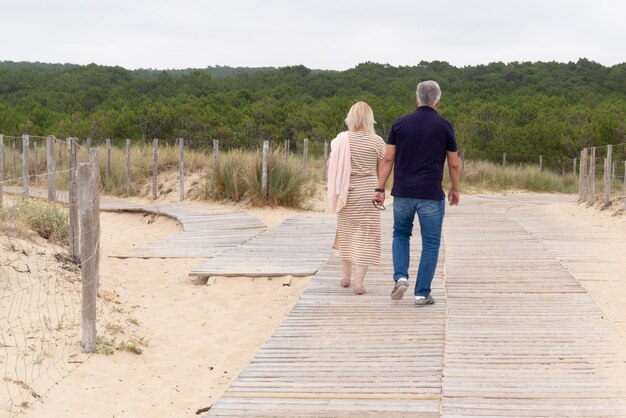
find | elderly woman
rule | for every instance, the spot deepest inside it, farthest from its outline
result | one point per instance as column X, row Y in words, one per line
column 352, row 177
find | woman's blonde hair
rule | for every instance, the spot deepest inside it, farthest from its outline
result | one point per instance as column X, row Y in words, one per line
column 360, row 117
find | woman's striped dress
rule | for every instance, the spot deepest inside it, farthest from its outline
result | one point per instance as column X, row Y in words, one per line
column 358, row 223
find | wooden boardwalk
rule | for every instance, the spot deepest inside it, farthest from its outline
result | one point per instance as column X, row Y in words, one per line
column 297, row 247
column 206, row 233
column 219, row 235
column 512, row 334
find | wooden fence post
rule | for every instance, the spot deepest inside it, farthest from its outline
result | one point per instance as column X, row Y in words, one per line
column 88, row 144
column 14, row 147
column 305, row 152
column 95, row 172
column 87, row 192
column 108, row 157
column 36, row 158
column 574, row 167
column 608, row 162
column 155, row 154
column 504, row 158
column 613, row 166
column 216, row 151
column 50, row 169
column 266, row 148
column 286, row 148
column 61, row 155
column 25, row 175
column 325, row 159
column 582, row 174
column 74, row 227
column 1, row 170
column 127, row 167
column 540, row 162
column 181, row 184
column 591, row 178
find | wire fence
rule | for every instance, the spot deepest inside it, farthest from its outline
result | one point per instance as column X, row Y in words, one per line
column 137, row 168
column 40, row 311
column 127, row 167
column 560, row 164
column 47, row 296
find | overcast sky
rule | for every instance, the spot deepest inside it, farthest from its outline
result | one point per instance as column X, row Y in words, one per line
column 325, row 34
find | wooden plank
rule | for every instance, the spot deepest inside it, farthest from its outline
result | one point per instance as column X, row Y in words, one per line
column 205, row 233
column 278, row 252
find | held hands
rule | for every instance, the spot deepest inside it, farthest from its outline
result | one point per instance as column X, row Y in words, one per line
column 453, row 197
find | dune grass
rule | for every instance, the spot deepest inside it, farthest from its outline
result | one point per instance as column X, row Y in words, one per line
column 48, row 220
column 480, row 176
column 288, row 183
column 238, row 178
column 229, row 181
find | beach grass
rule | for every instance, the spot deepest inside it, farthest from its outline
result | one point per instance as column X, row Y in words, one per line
column 48, row 220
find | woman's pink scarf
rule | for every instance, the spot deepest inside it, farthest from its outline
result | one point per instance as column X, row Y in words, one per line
column 339, row 170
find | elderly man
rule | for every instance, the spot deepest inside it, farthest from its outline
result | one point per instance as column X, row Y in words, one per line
column 418, row 146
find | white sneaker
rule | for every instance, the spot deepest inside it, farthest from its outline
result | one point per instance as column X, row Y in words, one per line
column 424, row 300
column 398, row 290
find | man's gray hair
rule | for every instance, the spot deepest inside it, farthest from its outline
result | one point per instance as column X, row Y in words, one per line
column 428, row 93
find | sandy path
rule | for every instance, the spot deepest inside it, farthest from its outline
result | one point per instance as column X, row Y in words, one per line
column 199, row 337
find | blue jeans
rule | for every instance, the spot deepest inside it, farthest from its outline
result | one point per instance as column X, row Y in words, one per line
column 430, row 214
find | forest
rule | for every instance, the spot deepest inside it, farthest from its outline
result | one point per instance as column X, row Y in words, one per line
column 525, row 109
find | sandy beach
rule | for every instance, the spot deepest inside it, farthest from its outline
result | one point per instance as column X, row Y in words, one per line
column 197, row 337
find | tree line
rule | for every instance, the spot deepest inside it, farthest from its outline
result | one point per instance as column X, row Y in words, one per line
column 521, row 108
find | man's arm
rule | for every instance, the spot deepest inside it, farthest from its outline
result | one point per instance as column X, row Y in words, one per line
column 384, row 169
column 454, row 167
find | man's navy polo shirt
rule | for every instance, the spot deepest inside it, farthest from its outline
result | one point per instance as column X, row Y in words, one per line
column 422, row 140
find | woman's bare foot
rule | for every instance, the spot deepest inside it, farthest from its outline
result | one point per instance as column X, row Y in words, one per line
column 359, row 277
column 345, row 282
